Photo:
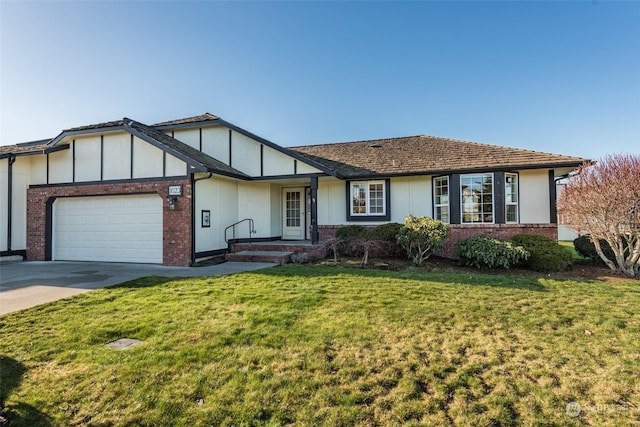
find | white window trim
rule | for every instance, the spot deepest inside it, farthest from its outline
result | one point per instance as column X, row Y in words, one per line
column 493, row 199
column 367, row 201
column 441, row 205
column 507, row 203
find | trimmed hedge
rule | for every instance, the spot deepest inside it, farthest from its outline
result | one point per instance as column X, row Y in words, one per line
column 545, row 254
column 348, row 231
column 388, row 233
column 489, row 252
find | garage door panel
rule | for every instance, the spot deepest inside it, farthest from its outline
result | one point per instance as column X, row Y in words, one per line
column 109, row 228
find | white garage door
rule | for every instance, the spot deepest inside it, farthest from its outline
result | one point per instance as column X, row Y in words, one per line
column 108, row 228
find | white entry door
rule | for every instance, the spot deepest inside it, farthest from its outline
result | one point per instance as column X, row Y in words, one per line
column 293, row 214
column 108, row 228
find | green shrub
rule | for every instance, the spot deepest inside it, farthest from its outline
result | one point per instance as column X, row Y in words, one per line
column 387, row 232
column 585, row 247
column 421, row 237
column 489, row 252
column 388, row 235
column 545, row 254
column 348, row 231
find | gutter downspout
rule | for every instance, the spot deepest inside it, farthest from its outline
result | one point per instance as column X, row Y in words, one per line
column 193, row 212
column 12, row 160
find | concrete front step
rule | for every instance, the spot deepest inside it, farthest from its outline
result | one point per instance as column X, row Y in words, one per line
column 318, row 251
column 11, row 258
column 276, row 257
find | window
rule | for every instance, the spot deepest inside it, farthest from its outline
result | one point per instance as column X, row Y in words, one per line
column 368, row 198
column 511, row 197
column 441, row 199
column 293, row 205
column 476, row 196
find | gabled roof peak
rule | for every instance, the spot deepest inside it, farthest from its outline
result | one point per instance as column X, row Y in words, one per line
column 206, row 117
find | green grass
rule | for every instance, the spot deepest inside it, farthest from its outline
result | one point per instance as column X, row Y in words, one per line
column 300, row 345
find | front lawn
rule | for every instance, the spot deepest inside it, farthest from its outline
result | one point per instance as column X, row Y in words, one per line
column 315, row 345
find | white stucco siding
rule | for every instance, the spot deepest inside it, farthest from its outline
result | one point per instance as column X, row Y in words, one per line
column 61, row 167
column 564, row 232
column 87, row 159
column 188, row 136
column 410, row 196
column 245, row 154
column 116, row 156
column 220, row 197
column 277, row 163
column 175, row 166
column 331, row 202
column 254, row 201
column 147, row 160
column 4, row 166
column 304, row 168
column 534, row 197
column 215, row 142
column 19, row 208
column 276, row 210
column 37, row 169
column 20, row 177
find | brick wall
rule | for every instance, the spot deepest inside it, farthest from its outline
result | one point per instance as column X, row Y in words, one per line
column 176, row 250
column 458, row 231
column 502, row 231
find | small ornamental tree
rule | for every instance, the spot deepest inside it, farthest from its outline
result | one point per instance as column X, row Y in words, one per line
column 421, row 237
column 603, row 201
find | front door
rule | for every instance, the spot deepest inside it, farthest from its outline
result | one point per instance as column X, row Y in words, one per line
column 293, row 211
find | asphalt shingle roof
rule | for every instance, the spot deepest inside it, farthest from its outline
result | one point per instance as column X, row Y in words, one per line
column 25, row 147
column 423, row 154
column 206, row 117
column 114, row 123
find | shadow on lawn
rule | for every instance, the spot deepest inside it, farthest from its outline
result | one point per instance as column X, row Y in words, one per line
column 146, row 282
column 529, row 283
column 18, row 414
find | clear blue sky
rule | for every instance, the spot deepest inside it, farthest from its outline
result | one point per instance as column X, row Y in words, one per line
column 560, row 77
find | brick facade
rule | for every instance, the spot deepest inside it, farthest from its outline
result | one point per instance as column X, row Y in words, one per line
column 502, row 231
column 459, row 231
column 177, row 224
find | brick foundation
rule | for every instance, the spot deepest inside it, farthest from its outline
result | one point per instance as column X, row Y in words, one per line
column 459, row 231
column 176, row 250
column 502, row 231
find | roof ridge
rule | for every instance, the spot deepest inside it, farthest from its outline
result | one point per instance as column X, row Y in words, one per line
column 441, row 138
column 191, row 119
column 110, row 123
column 358, row 141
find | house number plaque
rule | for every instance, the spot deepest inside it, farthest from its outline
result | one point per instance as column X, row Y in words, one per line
column 175, row 190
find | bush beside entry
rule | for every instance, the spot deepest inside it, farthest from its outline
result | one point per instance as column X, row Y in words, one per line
column 421, row 237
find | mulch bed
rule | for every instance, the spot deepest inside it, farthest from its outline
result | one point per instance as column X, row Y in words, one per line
column 583, row 271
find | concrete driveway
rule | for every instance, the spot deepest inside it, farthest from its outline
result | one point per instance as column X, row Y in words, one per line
column 26, row 284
